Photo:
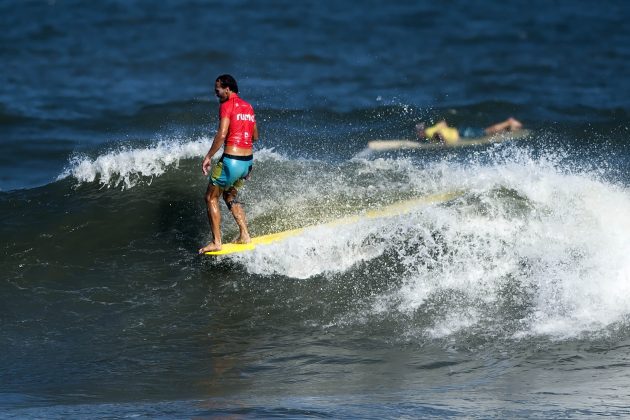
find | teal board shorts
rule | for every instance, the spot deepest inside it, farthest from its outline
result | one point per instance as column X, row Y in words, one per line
column 231, row 171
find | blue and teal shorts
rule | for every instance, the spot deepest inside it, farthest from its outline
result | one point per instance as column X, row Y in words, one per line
column 231, row 171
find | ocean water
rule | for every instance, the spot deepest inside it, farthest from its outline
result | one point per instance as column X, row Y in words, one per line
column 511, row 300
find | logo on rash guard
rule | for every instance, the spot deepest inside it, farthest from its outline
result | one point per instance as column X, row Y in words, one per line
column 245, row 117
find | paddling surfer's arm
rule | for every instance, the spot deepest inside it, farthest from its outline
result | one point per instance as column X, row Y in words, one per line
column 219, row 139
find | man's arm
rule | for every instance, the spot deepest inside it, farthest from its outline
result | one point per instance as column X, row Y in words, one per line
column 255, row 133
column 219, row 139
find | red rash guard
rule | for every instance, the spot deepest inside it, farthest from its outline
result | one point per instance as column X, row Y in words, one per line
column 242, row 120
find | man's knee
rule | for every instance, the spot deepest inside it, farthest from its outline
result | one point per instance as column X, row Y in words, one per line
column 230, row 199
column 211, row 198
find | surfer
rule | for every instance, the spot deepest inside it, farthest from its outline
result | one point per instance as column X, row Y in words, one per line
column 237, row 130
column 441, row 132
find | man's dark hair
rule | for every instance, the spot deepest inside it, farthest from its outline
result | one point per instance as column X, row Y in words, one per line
column 228, row 81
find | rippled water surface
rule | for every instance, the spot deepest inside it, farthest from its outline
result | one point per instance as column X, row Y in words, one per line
column 510, row 299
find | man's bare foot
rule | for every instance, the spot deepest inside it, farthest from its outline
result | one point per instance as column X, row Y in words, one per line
column 243, row 239
column 210, row 247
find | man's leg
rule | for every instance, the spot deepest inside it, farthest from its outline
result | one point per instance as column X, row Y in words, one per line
column 214, row 217
column 239, row 215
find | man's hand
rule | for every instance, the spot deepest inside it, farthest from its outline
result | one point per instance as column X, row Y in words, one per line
column 205, row 165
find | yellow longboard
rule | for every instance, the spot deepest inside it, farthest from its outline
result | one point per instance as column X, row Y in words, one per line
column 385, row 145
column 389, row 211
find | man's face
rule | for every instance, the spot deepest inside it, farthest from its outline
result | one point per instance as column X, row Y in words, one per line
column 221, row 92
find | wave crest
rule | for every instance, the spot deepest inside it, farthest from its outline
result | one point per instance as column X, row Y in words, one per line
column 127, row 167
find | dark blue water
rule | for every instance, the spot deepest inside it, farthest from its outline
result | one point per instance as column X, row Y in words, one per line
column 512, row 300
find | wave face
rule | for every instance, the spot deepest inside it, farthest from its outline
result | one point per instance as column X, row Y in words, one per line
column 536, row 245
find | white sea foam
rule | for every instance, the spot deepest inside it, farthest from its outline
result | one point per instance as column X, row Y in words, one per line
column 570, row 251
column 268, row 154
column 532, row 230
column 319, row 250
column 126, row 167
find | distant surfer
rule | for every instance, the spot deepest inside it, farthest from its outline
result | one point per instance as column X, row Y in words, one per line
column 237, row 130
column 441, row 132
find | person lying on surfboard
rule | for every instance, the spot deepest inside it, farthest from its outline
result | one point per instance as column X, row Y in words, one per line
column 238, row 130
column 441, row 132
